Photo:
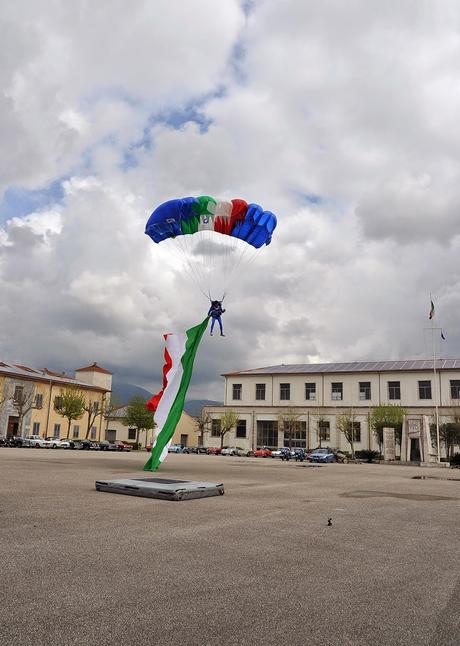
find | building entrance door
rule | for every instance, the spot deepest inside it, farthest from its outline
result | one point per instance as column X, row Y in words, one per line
column 13, row 426
column 183, row 440
column 414, row 449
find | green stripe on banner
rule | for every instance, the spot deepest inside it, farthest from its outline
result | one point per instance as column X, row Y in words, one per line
column 194, row 336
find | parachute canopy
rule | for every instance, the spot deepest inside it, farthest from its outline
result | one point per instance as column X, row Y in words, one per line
column 189, row 215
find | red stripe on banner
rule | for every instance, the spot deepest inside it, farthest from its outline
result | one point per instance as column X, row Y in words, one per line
column 153, row 402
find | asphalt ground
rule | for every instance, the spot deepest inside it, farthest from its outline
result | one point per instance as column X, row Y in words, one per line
column 259, row 565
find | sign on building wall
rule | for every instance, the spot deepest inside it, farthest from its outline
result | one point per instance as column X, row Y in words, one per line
column 389, row 445
column 413, row 427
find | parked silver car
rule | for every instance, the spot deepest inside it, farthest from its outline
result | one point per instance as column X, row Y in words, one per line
column 233, row 450
column 36, row 441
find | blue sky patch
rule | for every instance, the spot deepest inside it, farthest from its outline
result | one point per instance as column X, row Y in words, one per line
column 18, row 201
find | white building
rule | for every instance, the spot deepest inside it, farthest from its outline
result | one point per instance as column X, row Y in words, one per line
column 319, row 393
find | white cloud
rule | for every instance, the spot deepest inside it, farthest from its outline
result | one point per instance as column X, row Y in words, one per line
column 340, row 117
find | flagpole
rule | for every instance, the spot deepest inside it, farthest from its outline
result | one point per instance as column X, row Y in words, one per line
column 435, row 383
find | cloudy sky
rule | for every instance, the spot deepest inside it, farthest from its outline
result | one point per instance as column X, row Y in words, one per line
column 340, row 117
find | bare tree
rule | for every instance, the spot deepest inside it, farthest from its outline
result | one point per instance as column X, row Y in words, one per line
column 23, row 401
column 203, row 422
column 289, row 422
column 94, row 409
column 224, row 424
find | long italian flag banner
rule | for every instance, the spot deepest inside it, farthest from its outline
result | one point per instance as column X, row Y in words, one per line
column 180, row 352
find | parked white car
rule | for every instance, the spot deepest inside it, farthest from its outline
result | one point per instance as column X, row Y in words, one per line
column 36, row 441
column 54, row 442
column 233, row 450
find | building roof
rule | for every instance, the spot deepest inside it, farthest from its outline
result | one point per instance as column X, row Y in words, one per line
column 406, row 365
column 44, row 375
column 93, row 368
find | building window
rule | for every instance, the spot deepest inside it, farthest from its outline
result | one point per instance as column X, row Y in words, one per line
column 215, row 428
column 336, row 391
column 131, row 433
column 356, row 437
column 95, row 407
column 260, row 391
column 18, row 393
column 39, row 401
column 36, row 430
column 424, row 389
column 267, row 434
column 310, row 392
column 455, row 388
column 324, row 428
column 298, row 436
column 394, row 390
column 241, row 428
column 364, row 390
column 57, row 430
column 76, row 431
column 92, row 433
column 237, row 391
column 285, row 391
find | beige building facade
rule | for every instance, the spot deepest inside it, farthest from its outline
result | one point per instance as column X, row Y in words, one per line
column 185, row 433
column 317, row 394
column 27, row 397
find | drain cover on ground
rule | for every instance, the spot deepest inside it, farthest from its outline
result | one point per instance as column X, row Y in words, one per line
column 161, row 488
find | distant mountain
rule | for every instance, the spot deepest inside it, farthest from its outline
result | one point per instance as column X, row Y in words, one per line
column 123, row 392
column 193, row 406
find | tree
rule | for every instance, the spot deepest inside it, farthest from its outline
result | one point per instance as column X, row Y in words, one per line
column 93, row 409
column 23, row 401
column 347, row 425
column 289, row 422
column 449, row 435
column 387, row 416
column 138, row 416
column 70, row 404
column 226, row 422
column 203, row 422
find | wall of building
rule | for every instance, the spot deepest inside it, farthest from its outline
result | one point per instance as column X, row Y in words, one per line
column 420, row 411
column 185, row 433
column 42, row 419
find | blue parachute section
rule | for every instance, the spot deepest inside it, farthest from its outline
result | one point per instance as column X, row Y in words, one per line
column 248, row 222
column 165, row 221
column 257, row 227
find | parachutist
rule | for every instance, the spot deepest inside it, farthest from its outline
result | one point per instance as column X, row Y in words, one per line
column 215, row 312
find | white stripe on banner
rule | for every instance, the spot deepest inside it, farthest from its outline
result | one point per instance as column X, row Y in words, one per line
column 175, row 345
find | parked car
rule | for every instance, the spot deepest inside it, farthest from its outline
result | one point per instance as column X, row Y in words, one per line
column 14, row 440
column 3, row 439
column 234, row 450
column 176, row 448
column 122, row 446
column 263, row 452
column 213, row 450
column 104, row 445
column 36, row 441
column 322, row 455
column 66, row 443
column 197, row 449
column 276, row 453
column 83, row 444
column 55, row 442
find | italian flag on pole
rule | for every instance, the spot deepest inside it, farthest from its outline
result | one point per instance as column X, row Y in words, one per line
column 168, row 404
